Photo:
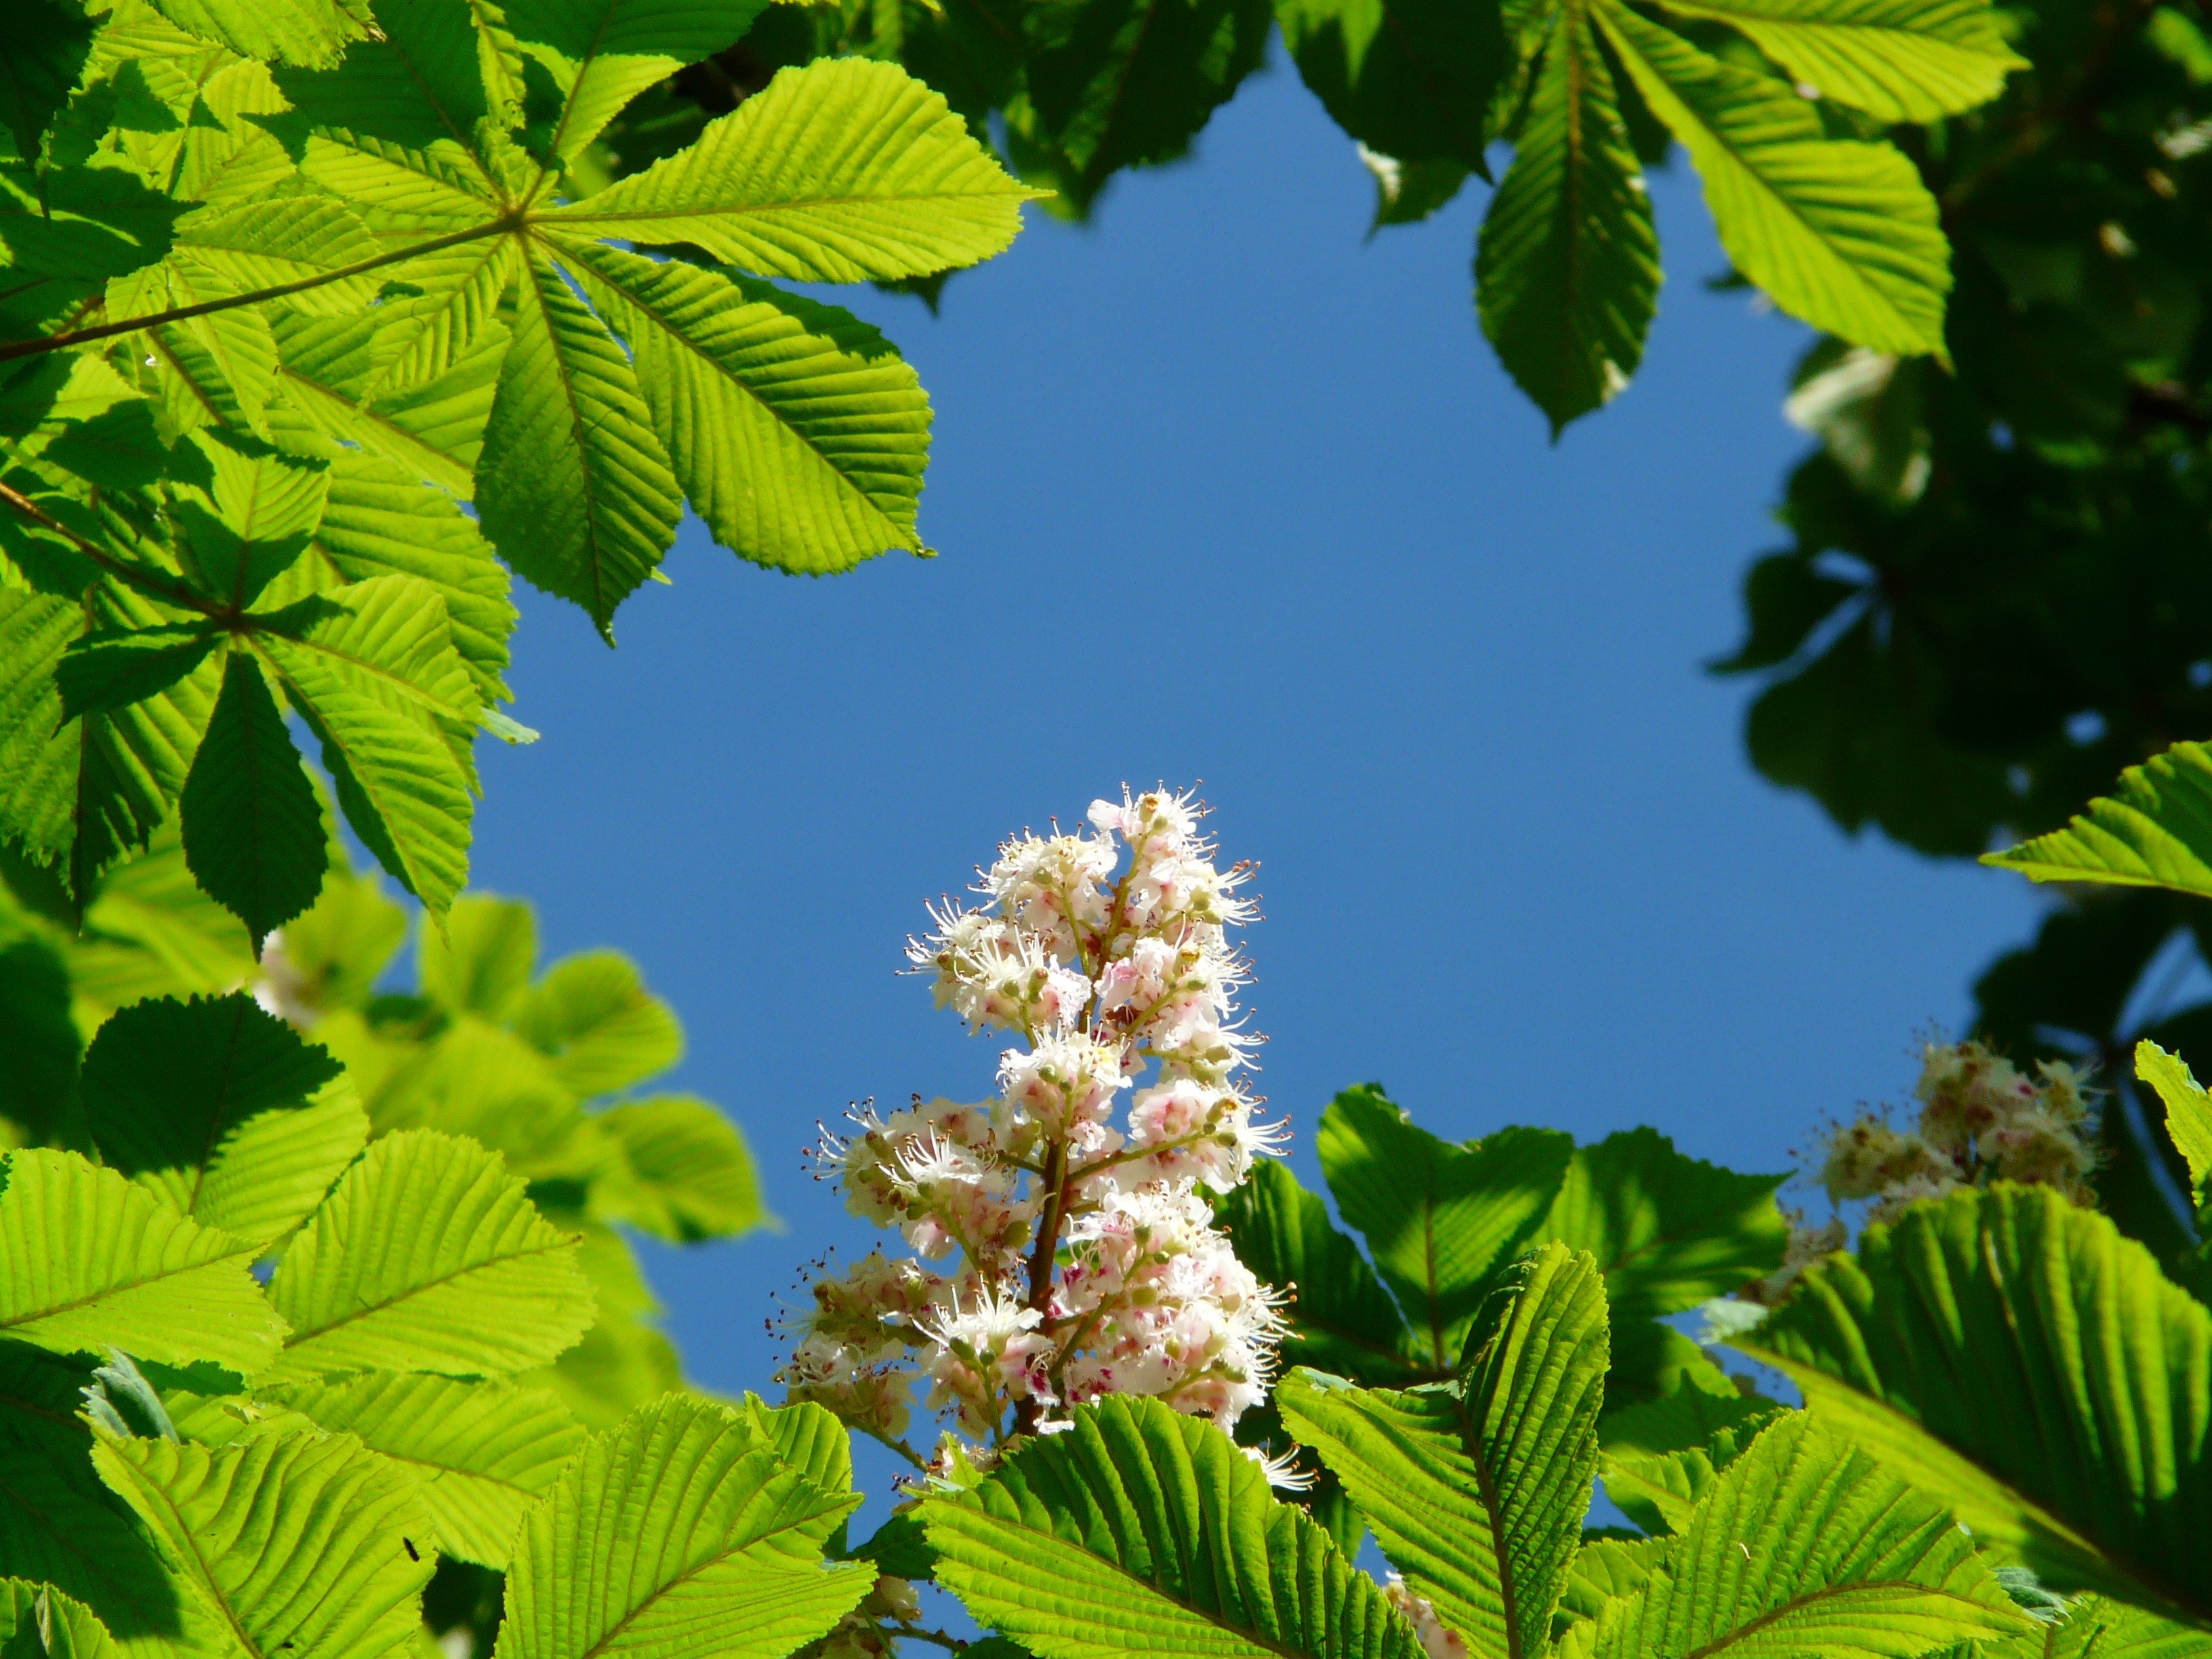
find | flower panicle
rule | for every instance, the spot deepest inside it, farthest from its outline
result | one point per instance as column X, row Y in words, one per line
column 1979, row 1119
column 1064, row 1246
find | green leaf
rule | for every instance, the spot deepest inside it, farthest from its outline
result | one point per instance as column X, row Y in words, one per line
column 112, row 668
column 841, row 171
column 620, row 1365
column 1841, row 235
column 2188, row 1112
column 1410, row 78
column 1900, row 60
column 307, row 242
column 296, row 31
column 378, row 522
column 40, row 1039
column 602, row 1029
column 483, row 962
column 1668, row 1232
column 684, row 1173
column 483, row 1452
column 2018, row 1360
column 88, row 1260
column 573, row 486
column 250, row 516
column 602, row 53
column 704, row 1545
column 2155, row 831
column 86, row 223
column 1140, row 1530
column 223, row 1111
column 1605, row 1568
column 1117, row 84
column 1341, row 1318
column 340, row 948
column 429, row 1256
column 797, row 430
column 39, row 1622
column 1567, row 267
column 412, row 384
column 293, row 1538
column 416, row 84
column 1440, row 1220
column 253, row 830
column 80, row 796
column 1477, row 1488
column 214, row 369
column 39, row 63
column 2096, row 1628
column 1805, row 1547
column 373, row 671
column 479, row 1081
column 58, row 1524
column 1664, row 1455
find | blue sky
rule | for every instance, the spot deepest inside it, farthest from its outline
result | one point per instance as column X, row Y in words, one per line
column 1224, row 493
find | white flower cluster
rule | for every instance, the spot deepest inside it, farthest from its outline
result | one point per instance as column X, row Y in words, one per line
column 1066, row 1249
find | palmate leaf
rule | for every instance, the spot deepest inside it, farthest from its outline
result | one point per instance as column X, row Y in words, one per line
column 113, row 668
column 2154, row 831
column 1668, row 1232
column 796, row 430
column 1805, row 1547
column 1439, row 1219
column 89, row 1260
column 1841, row 235
column 410, row 385
column 221, row 1109
column 2021, row 1362
column 679, row 1534
column 307, row 242
column 298, row 1538
column 482, row 962
column 602, row 53
column 1140, row 1530
column 429, row 1256
column 1900, row 60
column 1409, row 78
column 78, row 795
column 478, row 1080
column 483, row 1452
column 1117, row 83
column 149, row 932
column 683, row 1172
column 1660, row 1457
column 846, row 172
column 1567, row 269
column 1476, row 1489
column 295, row 31
column 252, row 829
column 371, row 670
column 379, row 520
column 246, row 512
column 592, row 1016
column 574, row 485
